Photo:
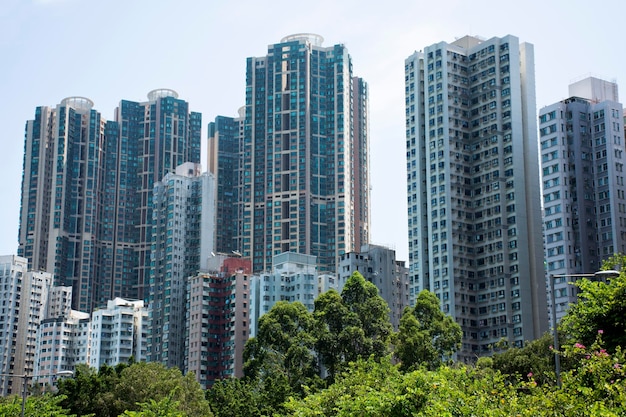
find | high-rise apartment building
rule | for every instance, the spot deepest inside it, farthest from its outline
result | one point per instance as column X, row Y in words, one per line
column 86, row 211
column 24, row 296
column 218, row 319
column 63, row 170
column 379, row 266
column 305, row 155
column 109, row 336
column 582, row 160
column 224, row 161
column 183, row 213
column 473, row 188
column 62, row 343
column 117, row 333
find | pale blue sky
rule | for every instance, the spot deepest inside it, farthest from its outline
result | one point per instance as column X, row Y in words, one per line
column 112, row 50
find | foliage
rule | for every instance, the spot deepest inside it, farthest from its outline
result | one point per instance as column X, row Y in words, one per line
column 142, row 382
column 601, row 306
column 596, row 387
column 112, row 391
column 234, row 397
column 362, row 299
column 535, row 358
column 351, row 326
column 371, row 388
column 366, row 388
column 248, row 397
column 91, row 391
column 280, row 361
column 600, row 377
column 163, row 408
column 36, row 406
column 426, row 335
column 336, row 325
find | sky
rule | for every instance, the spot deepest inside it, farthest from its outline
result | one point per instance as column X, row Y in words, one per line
column 122, row 49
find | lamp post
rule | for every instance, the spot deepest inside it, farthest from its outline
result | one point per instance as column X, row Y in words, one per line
column 603, row 275
column 54, row 375
column 24, row 386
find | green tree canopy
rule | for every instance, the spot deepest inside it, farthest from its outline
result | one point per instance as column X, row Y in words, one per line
column 283, row 348
column 36, row 406
column 162, row 408
column 596, row 388
column 352, row 325
column 235, row 397
column 110, row 392
column 426, row 335
column 536, row 358
column 91, row 391
column 601, row 307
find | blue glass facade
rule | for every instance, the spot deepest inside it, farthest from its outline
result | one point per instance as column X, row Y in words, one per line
column 224, row 135
column 298, row 176
column 87, row 190
column 62, row 167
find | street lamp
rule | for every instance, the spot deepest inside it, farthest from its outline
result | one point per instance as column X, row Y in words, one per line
column 25, row 383
column 54, row 376
column 602, row 275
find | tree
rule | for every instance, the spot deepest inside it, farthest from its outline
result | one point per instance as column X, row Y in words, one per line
column 352, row 325
column 111, row 391
column 163, row 408
column 426, row 335
column 36, row 406
column 335, row 330
column 90, row 391
column 282, row 352
column 536, row 358
column 142, row 382
column 601, row 307
column 234, row 397
column 597, row 387
column 371, row 387
column 361, row 298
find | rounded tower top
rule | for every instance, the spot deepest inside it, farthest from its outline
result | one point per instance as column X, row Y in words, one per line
column 78, row 103
column 313, row 38
column 160, row 93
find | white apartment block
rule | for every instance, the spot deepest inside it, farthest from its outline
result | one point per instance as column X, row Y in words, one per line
column 60, row 302
column 117, row 333
column 23, row 304
column 62, row 343
column 473, row 188
column 183, row 234
column 108, row 336
column 294, row 277
column 42, row 338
